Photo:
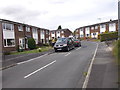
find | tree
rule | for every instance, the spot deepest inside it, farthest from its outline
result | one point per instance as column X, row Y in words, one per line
column 31, row 44
column 59, row 27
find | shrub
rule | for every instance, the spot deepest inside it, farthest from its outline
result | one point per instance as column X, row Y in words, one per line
column 31, row 44
column 19, row 48
column 108, row 36
column 50, row 42
column 46, row 44
column 6, row 53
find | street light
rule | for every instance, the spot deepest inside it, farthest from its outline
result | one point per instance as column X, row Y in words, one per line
column 118, row 19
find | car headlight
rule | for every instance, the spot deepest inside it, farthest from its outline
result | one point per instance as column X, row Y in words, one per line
column 64, row 44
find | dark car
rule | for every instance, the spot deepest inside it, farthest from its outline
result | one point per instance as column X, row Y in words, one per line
column 64, row 44
column 77, row 43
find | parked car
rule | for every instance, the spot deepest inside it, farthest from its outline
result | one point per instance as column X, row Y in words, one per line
column 77, row 43
column 64, row 44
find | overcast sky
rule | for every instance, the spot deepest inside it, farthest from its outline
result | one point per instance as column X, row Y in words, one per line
column 50, row 14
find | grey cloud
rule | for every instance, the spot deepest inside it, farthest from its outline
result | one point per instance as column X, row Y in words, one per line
column 21, row 13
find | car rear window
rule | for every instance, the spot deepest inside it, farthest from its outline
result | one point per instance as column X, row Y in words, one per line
column 76, row 40
column 61, row 39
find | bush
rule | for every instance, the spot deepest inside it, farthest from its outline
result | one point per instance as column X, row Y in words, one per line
column 108, row 36
column 46, row 45
column 31, row 44
column 6, row 53
column 20, row 48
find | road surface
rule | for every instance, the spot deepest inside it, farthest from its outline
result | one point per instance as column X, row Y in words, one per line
column 57, row 70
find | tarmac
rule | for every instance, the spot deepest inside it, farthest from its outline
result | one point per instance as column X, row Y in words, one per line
column 104, row 72
column 12, row 60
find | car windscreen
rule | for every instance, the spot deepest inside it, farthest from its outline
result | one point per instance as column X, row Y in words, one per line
column 61, row 40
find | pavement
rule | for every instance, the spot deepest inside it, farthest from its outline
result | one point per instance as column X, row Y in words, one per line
column 104, row 72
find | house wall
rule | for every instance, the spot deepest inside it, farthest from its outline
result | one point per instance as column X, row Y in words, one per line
column 18, row 35
column 102, row 27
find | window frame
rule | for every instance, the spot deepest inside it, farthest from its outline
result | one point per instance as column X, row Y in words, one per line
column 5, row 41
column 11, row 27
column 92, row 28
column 20, row 28
column 96, row 27
column 27, row 29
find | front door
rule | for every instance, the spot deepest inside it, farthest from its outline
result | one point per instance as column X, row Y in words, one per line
column 21, row 43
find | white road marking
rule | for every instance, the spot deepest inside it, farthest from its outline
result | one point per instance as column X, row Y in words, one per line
column 31, row 59
column 78, row 48
column 89, row 69
column 68, row 54
column 39, row 69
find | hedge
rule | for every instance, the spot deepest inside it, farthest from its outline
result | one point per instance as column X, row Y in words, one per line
column 31, row 44
column 108, row 36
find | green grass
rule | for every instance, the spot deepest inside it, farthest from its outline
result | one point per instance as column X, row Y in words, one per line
column 44, row 48
column 116, row 51
column 95, row 40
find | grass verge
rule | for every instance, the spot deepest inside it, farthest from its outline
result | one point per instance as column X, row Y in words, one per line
column 43, row 48
column 116, row 53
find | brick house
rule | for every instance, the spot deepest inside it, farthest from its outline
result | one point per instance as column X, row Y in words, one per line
column 60, row 33
column 16, row 34
column 95, row 29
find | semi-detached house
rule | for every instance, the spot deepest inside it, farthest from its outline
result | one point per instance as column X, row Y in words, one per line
column 16, row 35
column 60, row 33
column 95, row 29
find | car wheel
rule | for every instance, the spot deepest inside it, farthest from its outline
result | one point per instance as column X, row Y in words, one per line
column 80, row 45
column 73, row 47
column 55, row 50
column 68, row 49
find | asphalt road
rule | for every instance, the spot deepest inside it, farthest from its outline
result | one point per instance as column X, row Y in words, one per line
column 57, row 70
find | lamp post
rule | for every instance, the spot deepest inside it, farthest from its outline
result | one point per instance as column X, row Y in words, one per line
column 118, row 19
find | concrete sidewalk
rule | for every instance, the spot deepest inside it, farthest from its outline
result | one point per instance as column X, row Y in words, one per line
column 12, row 60
column 104, row 72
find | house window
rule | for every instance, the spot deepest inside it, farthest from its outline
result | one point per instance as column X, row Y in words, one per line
column 47, row 32
column 47, row 40
column 92, row 28
column 111, row 25
column 88, row 29
column 81, row 29
column 96, row 27
column 7, row 26
column 20, row 28
column 34, row 30
column 28, row 29
column 76, row 30
column 102, row 26
column 58, row 32
column 62, row 31
column 43, row 32
column 94, row 34
column 9, row 42
column 81, row 35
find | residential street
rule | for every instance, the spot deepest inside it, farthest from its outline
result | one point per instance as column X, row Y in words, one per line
column 57, row 70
